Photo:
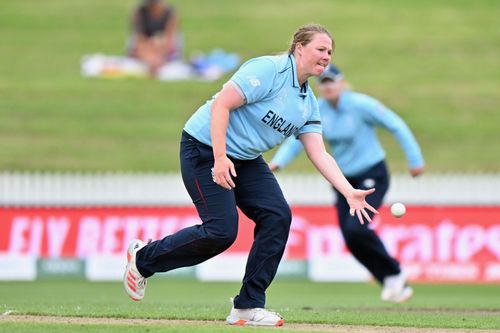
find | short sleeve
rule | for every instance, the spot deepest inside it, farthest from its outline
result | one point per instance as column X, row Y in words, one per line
column 313, row 123
column 255, row 79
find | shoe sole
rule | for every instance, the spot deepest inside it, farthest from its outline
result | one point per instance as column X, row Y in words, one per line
column 402, row 299
column 125, row 284
column 125, row 278
column 243, row 322
column 406, row 297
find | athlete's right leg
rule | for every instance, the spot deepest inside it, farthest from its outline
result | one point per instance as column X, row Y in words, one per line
column 216, row 207
column 260, row 198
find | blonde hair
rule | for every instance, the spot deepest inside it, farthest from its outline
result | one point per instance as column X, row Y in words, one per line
column 306, row 33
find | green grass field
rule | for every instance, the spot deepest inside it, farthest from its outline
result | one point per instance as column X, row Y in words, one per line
column 434, row 306
column 434, row 62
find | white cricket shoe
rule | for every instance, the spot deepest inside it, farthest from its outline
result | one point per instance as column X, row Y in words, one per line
column 254, row 317
column 133, row 281
column 395, row 289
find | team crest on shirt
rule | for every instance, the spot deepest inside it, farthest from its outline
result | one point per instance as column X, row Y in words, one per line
column 254, row 81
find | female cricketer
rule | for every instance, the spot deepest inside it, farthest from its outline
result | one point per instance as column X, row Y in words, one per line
column 349, row 121
column 266, row 101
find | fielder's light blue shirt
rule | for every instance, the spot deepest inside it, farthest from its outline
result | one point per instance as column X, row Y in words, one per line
column 276, row 107
column 349, row 129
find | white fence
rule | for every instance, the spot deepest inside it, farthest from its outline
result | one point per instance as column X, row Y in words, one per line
column 157, row 189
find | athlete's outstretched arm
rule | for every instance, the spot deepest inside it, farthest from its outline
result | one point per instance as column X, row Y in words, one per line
column 326, row 165
column 229, row 98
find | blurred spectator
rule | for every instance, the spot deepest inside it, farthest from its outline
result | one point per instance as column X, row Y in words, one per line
column 155, row 36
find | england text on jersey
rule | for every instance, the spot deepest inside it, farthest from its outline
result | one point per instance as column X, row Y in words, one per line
column 279, row 123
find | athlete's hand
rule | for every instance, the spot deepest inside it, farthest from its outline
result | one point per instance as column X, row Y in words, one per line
column 415, row 172
column 222, row 171
column 357, row 203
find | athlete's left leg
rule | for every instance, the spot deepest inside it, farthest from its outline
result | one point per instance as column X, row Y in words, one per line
column 260, row 198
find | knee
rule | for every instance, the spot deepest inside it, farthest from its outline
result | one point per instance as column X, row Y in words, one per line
column 222, row 235
column 284, row 214
column 223, row 240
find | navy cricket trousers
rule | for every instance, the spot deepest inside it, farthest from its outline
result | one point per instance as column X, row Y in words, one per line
column 259, row 197
column 362, row 241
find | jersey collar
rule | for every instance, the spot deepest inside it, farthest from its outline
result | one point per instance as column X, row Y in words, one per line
column 291, row 64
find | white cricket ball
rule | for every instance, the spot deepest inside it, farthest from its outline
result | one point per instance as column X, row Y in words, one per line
column 398, row 209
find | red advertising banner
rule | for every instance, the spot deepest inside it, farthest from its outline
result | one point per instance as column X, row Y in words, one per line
column 433, row 243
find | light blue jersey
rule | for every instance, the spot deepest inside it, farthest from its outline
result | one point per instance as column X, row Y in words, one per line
column 276, row 107
column 349, row 129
